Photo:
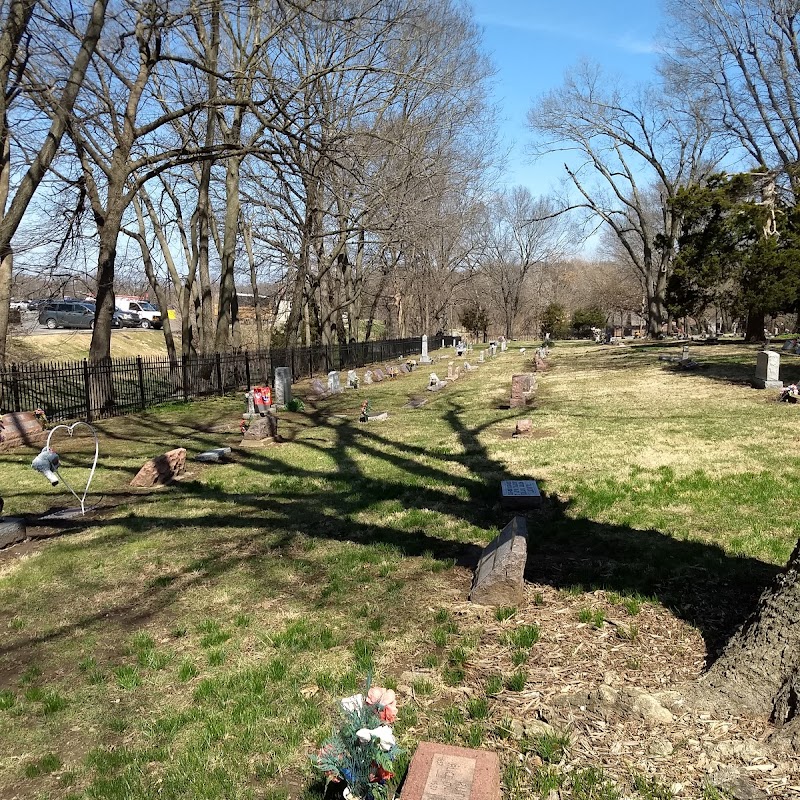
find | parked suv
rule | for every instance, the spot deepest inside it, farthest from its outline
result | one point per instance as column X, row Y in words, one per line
column 67, row 315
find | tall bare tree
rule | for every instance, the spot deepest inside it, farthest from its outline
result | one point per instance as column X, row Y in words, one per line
column 19, row 41
column 629, row 153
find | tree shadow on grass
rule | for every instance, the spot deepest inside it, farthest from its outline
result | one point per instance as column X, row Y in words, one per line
column 252, row 529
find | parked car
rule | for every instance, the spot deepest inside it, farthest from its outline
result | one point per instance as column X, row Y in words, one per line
column 150, row 316
column 67, row 315
column 126, row 319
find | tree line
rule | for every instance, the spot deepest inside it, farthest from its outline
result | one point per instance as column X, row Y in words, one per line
column 336, row 160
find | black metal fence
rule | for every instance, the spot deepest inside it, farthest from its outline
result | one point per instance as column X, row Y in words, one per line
column 100, row 389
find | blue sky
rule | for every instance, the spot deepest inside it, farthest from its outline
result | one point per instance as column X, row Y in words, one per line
column 532, row 43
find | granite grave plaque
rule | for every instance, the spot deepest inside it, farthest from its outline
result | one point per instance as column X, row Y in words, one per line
column 520, row 495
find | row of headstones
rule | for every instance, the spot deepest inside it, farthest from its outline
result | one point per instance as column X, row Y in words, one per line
column 353, row 381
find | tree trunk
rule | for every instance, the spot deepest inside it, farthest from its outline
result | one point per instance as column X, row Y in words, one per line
column 759, row 670
column 656, row 304
column 100, row 347
column 755, row 326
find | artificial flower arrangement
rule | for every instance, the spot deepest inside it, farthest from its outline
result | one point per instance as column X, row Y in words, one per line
column 362, row 751
column 366, row 407
column 41, row 417
column 790, row 394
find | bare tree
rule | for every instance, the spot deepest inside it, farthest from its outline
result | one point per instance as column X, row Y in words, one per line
column 627, row 150
column 17, row 43
column 745, row 56
column 525, row 234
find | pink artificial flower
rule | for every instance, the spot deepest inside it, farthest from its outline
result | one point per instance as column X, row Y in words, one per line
column 385, row 700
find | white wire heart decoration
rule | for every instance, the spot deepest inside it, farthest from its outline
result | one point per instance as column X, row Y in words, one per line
column 48, row 462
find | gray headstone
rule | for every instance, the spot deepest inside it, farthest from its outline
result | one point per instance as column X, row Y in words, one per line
column 251, row 409
column 378, row 375
column 499, row 578
column 368, row 378
column 334, row 384
column 424, row 358
column 520, row 495
column 261, row 428
column 451, row 372
column 283, row 386
column 12, row 531
column 768, row 364
column 481, row 357
column 216, row 455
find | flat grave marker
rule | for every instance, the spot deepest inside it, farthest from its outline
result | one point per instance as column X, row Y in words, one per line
column 520, row 495
column 444, row 772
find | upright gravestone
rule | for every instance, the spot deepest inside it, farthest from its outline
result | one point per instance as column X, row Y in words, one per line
column 352, row 379
column 451, row 373
column 522, row 386
column 334, row 384
column 503, row 346
column 480, row 357
column 685, row 353
column 493, row 349
column 283, row 386
column 368, row 378
column 499, row 578
column 768, row 364
column 378, row 375
column 424, row 358
column 318, row 388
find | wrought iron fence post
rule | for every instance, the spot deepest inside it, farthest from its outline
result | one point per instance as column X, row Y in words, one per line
column 247, row 369
column 15, row 387
column 87, row 395
column 218, row 360
column 141, row 381
column 185, row 379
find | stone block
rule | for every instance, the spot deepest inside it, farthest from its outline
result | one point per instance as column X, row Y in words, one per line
column 768, row 364
column 161, row 470
column 12, row 531
column 21, row 429
column 499, row 578
column 262, row 428
column 283, row 386
column 522, row 387
column 444, row 772
column 523, row 426
column 520, row 495
column 214, row 456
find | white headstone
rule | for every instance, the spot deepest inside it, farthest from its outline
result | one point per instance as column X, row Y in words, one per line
column 480, row 357
column 368, row 378
column 450, row 371
column 352, row 379
column 503, row 345
column 283, row 386
column 334, row 386
column 768, row 364
column 424, row 358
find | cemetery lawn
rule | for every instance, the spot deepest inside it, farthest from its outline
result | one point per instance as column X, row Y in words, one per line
column 191, row 641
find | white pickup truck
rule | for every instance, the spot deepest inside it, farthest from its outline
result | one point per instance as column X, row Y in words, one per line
column 149, row 315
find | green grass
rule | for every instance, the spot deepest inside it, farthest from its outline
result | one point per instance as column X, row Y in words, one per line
column 198, row 636
column 525, row 636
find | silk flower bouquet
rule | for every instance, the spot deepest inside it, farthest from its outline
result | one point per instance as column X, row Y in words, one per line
column 362, row 751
